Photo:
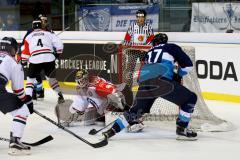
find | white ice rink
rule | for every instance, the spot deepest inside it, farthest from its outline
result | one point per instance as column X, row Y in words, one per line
column 152, row 144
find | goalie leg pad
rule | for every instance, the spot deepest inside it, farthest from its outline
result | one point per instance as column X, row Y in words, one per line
column 63, row 114
column 90, row 116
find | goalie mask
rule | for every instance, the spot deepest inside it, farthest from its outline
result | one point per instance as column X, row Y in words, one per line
column 82, row 78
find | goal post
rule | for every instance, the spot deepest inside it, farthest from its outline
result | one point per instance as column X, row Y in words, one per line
column 162, row 110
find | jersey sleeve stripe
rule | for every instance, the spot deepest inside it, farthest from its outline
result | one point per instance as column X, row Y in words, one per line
column 18, row 90
column 21, row 117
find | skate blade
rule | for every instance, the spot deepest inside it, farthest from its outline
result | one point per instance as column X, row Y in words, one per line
column 184, row 138
column 17, row 152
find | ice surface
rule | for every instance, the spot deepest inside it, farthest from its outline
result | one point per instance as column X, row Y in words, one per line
column 153, row 143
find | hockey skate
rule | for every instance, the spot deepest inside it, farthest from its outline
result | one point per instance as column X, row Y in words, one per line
column 135, row 128
column 185, row 134
column 16, row 147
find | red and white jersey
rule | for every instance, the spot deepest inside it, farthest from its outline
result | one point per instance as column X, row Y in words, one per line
column 94, row 95
column 39, row 46
column 102, row 87
column 139, row 35
column 11, row 70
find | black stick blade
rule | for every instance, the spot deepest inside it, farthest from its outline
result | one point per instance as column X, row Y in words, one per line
column 42, row 141
column 92, row 132
column 102, row 143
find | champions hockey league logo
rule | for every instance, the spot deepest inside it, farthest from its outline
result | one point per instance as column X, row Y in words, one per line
column 96, row 20
column 229, row 11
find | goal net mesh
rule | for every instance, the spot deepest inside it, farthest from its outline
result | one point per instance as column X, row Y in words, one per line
column 162, row 110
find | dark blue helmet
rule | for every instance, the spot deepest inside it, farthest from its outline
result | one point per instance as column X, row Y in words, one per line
column 160, row 38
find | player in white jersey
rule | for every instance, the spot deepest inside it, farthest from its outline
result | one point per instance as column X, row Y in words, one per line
column 17, row 103
column 94, row 96
column 38, row 90
column 39, row 49
column 140, row 32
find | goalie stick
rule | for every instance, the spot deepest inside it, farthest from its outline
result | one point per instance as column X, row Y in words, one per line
column 102, row 143
column 40, row 142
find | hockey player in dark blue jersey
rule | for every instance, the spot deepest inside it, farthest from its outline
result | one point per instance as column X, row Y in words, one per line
column 157, row 80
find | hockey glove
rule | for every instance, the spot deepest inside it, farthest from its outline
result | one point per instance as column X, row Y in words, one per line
column 29, row 103
column 24, row 63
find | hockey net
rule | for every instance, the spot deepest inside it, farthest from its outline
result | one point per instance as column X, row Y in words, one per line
column 162, row 110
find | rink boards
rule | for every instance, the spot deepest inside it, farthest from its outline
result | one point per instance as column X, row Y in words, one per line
column 217, row 59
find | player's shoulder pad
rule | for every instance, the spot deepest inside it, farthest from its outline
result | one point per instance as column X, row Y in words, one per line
column 172, row 46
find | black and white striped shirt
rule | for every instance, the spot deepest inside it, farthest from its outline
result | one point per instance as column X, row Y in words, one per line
column 139, row 35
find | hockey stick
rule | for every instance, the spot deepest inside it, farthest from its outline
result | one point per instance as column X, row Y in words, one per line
column 102, row 143
column 94, row 131
column 70, row 25
column 40, row 142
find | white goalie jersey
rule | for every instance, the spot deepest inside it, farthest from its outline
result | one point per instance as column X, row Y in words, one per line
column 87, row 98
column 98, row 94
column 94, row 95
